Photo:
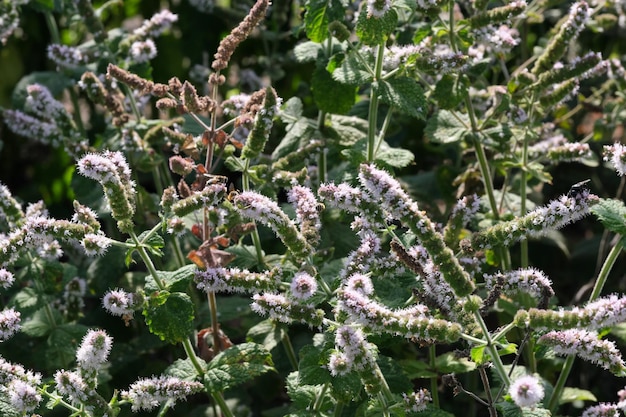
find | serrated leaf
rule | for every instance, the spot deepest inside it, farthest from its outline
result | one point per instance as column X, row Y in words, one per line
column 478, row 354
column 329, row 95
column 612, row 214
column 236, row 365
column 266, row 333
column 184, row 369
column 347, row 388
column 395, row 157
column 449, row 363
column 175, row 281
column 154, row 242
column 62, row 344
column 404, row 94
column 6, row 409
column 292, row 110
column 311, row 366
column 307, row 51
column 373, row 30
column 27, row 298
column 444, row 127
column 302, row 396
column 169, row 315
column 346, row 130
column 511, row 410
column 352, row 71
column 297, row 133
column 446, row 92
column 417, row 369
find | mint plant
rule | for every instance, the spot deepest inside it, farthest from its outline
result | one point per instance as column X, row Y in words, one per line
column 246, row 238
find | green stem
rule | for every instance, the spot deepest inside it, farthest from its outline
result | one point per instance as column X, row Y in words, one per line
column 191, row 354
column 434, row 384
column 319, row 399
column 597, row 290
column 147, row 260
column 291, row 353
column 215, row 325
column 256, row 239
column 321, row 159
column 493, row 351
column 373, row 107
column 219, row 399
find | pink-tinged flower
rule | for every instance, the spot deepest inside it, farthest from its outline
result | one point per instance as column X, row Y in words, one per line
column 526, row 391
column 6, row 278
column 416, row 401
column 616, row 155
column 119, row 302
column 307, row 212
column 10, row 371
column 143, row 51
column 147, row 394
column 95, row 244
column 378, row 8
column 9, row 323
column 355, row 352
column 72, row 385
column 601, row 410
column 360, row 283
column 66, row 56
column 339, row 364
column 279, row 307
column 528, row 280
column 303, row 286
column 94, row 350
column 220, row 279
column 588, row 346
column 156, row 25
column 10, row 210
column 22, row 395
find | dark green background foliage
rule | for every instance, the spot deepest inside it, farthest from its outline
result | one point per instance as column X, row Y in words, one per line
column 32, row 172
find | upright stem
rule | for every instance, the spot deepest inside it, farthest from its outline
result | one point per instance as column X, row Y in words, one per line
column 434, row 383
column 597, row 289
column 493, row 351
column 373, row 107
column 256, row 239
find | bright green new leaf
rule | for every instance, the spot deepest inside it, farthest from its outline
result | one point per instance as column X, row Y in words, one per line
column 570, row 395
column 174, row 280
column 169, row 315
column 449, row 363
column 405, row 95
column 478, row 355
column 612, row 214
column 236, row 365
column 319, row 13
column 447, row 127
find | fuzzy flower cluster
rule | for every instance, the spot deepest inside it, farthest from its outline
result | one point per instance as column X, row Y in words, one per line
column 569, row 152
column 66, row 56
column 307, row 212
column 377, row 8
column 143, row 51
column 259, row 208
column 387, row 191
column 6, row 278
column 111, row 170
column 303, row 286
column 19, row 386
column 209, row 196
column 279, row 307
column 411, row 322
column 73, row 386
column 493, row 39
column 156, row 25
column 601, row 410
column 148, row 393
column 9, row 323
column 94, row 350
column 526, row 391
column 586, row 345
column 557, row 214
column 219, row 279
column 416, row 401
column 616, row 155
column 119, row 302
column 528, row 280
column 9, row 19
column 353, row 352
column 10, row 210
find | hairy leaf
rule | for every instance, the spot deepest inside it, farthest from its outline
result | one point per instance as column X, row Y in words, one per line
column 445, row 127
column 236, row 365
column 612, row 214
column 169, row 315
column 174, row 281
column 374, row 31
column 405, row 95
column 330, row 95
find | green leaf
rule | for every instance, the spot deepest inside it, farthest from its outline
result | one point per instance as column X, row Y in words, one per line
column 449, row 363
column 418, row 369
column 236, row 365
column 292, row 110
column 169, row 315
column 154, row 242
column 175, row 281
column 297, row 133
column 319, row 13
column 347, row 387
column 62, row 344
column 311, row 366
column 569, row 395
column 307, row 52
column 41, row 323
column 266, row 333
column 612, row 214
column 329, row 95
column 6, row 409
column 346, row 130
column 404, row 94
column 374, row 31
column 184, row 369
column 303, row 396
column 511, row 410
column 27, row 298
column 352, row 71
column 395, row 157
column 478, row 354
column 444, row 127
column 447, row 94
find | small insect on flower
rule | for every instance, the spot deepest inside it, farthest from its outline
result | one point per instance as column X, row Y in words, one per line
column 578, row 188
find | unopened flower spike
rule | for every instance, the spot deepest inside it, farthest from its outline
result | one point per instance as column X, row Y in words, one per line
column 498, row 14
column 586, row 345
column 257, row 207
column 263, row 121
column 239, row 34
column 560, row 72
column 194, row 103
column 461, row 215
column 211, row 195
column 219, row 279
column 386, row 190
column 568, row 31
column 279, row 307
column 149, row 393
column 111, row 170
column 560, row 212
column 92, row 21
column 570, row 152
column 560, row 93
